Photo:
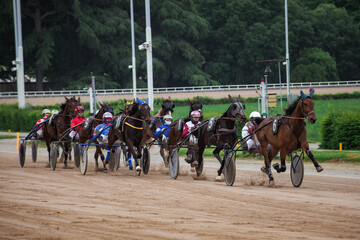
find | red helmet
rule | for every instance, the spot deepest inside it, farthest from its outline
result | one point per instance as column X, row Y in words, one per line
column 80, row 109
column 195, row 114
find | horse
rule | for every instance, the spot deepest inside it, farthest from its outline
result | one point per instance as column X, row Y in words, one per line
column 87, row 132
column 59, row 123
column 291, row 134
column 166, row 109
column 177, row 126
column 132, row 131
column 221, row 132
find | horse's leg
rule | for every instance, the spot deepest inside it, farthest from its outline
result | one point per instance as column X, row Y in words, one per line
column 67, row 151
column 305, row 147
column 48, row 147
column 162, row 154
column 267, row 169
column 279, row 168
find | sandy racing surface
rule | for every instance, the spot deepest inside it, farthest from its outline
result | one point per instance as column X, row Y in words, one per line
column 37, row 203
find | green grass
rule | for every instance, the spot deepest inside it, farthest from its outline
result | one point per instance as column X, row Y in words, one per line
column 7, row 137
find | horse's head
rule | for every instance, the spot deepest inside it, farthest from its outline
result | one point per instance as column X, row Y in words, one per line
column 144, row 112
column 237, row 110
column 196, row 105
column 104, row 108
column 307, row 107
column 167, row 106
column 71, row 105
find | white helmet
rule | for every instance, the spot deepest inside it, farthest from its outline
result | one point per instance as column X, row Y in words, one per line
column 195, row 114
column 46, row 111
column 254, row 115
column 167, row 117
column 107, row 115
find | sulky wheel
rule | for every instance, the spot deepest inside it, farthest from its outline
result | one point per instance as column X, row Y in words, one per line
column 145, row 160
column 297, row 170
column 22, row 152
column 117, row 158
column 54, row 155
column 174, row 164
column 84, row 161
column 230, row 169
column 34, row 147
column 77, row 154
column 111, row 164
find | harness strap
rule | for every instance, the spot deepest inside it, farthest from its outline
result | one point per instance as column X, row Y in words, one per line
column 133, row 126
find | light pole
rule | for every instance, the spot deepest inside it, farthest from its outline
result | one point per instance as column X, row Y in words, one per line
column 287, row 53
column 149, row 55
column 133, row 66
column 19, row 61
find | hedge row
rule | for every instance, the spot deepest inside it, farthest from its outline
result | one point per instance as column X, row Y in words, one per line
column 341, row 127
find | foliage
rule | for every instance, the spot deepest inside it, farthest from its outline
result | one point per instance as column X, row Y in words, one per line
column 341, row 127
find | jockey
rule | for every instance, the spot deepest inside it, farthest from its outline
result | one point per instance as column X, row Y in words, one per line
column 103, row 138
column 249, row 129
column 45, row 115
column 164, row 129
column 74, row 134
column 193, row 140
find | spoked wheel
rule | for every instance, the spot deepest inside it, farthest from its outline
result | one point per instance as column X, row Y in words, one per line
column 22, row 152
column 34, row 147
column 54, row 155
column 174, row 164
column 111, row 161
column 77, row 154
column 230, row 169
column 297, row 170
column 145, row 160
column 117, row 158
column 199, row 168
column 84, row 160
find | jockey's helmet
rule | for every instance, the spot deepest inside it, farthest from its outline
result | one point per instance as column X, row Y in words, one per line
column 54, row 111
column 46, row 112
column 195, row 114
column 254, row 115
column 107, row 117
column 80, row 109
column 167, row 117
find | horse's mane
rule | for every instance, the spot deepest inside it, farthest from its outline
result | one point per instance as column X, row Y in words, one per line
column 62, row 107
column 291, row 108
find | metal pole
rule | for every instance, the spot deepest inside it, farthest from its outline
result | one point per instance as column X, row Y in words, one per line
column 19, row 55
column 280, row 88
column 91, row 101
column 263, row 97
column 287, row 53
column 133, row 62
column 94, row 93
column 149, row 55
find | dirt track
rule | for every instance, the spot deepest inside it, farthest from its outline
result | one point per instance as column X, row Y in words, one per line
column 183, row 95
column 37, row 203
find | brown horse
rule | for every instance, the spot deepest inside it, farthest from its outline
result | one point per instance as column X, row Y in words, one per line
column 87, row 131
column 290, row 136
column 132, row 131
column 222, row 132
column 59, row 123
column 177, row 126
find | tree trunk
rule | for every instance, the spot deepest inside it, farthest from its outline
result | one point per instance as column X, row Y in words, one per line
column 39, row 78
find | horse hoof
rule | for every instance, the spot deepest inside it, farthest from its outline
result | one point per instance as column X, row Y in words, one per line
column 138, row 168
column 263, row 169
column 218, row 178
column 319, row 168
column 271, row 183
column 192, row 169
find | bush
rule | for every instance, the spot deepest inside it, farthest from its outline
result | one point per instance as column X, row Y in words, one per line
column 341, row 127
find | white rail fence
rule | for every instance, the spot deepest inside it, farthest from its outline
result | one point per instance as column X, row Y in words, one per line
column 58, row 93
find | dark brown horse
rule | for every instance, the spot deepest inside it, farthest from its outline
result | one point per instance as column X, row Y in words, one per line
column 132, row 131
column 221, row 132
column 176, row 130
column 290, row 136
column 59, row 123
column 87, row 131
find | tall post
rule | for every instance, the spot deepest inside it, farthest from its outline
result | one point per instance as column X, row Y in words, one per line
column 94, row 92
column 263, row 97
column 91, row 101
column 287, row 53
column 149, row 55
column 280, row 87
column 133, row 62
column 19, row 62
